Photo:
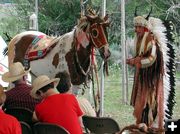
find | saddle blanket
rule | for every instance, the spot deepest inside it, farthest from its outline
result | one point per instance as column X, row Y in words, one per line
column 39, row 47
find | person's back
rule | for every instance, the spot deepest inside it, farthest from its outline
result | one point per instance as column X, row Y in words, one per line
column 61, row 109
column 64, row 87
column 19, row 96
column 86, row 107
column 8, row 123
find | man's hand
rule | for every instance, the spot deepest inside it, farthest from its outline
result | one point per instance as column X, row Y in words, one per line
column 130, row 61
column 134, row 62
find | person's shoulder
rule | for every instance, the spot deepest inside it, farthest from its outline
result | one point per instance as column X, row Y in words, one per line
column 10, row 90
column 10, row 93
column 66, row 94
column 69, row 96
column 25, row 85
column 10, row 117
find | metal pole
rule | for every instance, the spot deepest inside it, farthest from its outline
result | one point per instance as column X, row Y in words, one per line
column 102, row 91
column 124, row 66
column 102, row 72
column 82, row 8
column 103, row 8
column 36, row 12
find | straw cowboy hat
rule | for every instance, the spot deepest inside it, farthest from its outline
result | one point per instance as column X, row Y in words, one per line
column 42, row 81
column 16, row 72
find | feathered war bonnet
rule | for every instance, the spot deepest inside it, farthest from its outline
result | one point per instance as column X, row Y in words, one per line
column 142, row 20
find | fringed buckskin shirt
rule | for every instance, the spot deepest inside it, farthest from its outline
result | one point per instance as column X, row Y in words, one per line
column 146, row 89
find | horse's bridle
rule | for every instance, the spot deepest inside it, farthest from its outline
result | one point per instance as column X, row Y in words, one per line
column 98, row 36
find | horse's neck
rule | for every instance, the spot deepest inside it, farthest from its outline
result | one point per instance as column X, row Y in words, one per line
column 77, row 57
column 65, row 42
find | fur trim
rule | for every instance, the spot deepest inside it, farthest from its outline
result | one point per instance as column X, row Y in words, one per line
column 140, row 21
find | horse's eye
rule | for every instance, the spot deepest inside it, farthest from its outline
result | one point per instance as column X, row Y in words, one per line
column 94, row 32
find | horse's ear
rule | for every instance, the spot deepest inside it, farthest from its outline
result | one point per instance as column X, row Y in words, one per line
column 106, row 23
column 106, row 17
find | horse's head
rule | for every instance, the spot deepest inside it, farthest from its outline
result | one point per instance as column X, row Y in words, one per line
column 95, row 28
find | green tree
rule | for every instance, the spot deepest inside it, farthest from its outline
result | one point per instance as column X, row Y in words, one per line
column 58, row 17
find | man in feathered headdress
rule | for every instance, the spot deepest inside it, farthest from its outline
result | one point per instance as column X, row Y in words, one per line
column 150, row 91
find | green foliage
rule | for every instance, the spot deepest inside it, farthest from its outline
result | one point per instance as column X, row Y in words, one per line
column 58, row 17
column 9, row 22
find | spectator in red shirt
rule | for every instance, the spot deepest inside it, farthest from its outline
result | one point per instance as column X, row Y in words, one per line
column 19, row 96
column 8, row 123
column 60, row 109
column 64, row 86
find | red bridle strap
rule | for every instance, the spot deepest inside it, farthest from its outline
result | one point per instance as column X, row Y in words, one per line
column 98, row 36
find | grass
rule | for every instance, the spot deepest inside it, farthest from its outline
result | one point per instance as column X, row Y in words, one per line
column 113, row 101
column 113, row 105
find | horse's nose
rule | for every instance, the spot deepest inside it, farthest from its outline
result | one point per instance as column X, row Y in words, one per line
column 107, row 53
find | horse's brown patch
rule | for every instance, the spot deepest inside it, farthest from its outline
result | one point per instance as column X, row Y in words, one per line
column 83, row 54
column 55, row 61
column 21, row 47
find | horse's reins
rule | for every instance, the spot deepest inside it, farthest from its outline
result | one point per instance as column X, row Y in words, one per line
column 97, row 96
column 77, row 59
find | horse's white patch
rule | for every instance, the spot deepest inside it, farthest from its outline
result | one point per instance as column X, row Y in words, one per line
column 45, row 66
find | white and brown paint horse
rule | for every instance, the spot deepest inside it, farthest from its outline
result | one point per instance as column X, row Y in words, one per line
column 71, row 52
